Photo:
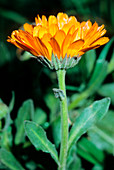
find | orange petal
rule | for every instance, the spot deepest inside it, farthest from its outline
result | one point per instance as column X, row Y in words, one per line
column 44, row 21
column 77, row 44
column 59, row 15
column 89, row 48
column 25, row 38
column 93, row 38
column 38, row 20
column 41, row 47
column 53, row 29
column 52, row 20
column 102, row 32
column 77, row 32
column 42, row 31
column 55, row 47
column 100, row 28
column 36, row 30
column 29, row 28
column 74, row 35
column 91, row 35
column 20, row 36
column 23, row 46
column 70, row 24
column 65, row 45
column 101, row 41
column 72, row 20
column 83, row 24
column 92, row 30
column 45, row 39
column 71, row 30
column 62, row 19
column 66, row 27
column 75, row 47
column 60, row 36
column 85, row 27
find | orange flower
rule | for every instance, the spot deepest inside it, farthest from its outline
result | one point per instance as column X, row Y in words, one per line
column 61, row 36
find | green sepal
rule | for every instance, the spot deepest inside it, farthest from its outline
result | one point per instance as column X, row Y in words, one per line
column 57, row 64
column 44, row 61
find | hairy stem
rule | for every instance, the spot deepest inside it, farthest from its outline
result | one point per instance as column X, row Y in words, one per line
column 64, row 121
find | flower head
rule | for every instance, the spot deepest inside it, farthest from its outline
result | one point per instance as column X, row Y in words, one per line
column 61, row 36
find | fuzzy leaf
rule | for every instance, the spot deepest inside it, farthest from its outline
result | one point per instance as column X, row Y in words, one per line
column 11, row 104
column 38, row 138
column 107, row 90
column 102, row 134
column 73, row 161
column 87, row 118
column 111, row 64
column 9, row 160
column 14, row 16
column 25, row 112
column 40, row 116
column 5, row 55
column 87, row 150
column 3, row 109
column 6, row 137
column 90, row 57
column 56, row 130
column 96, row 80
column 99, row 74
column 98, row 167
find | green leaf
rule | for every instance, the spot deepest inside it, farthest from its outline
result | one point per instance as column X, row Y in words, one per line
column 101, row 66
column 6, row 137
column 73, row 161
column 4, row 54
column 105, row 50
column 40, row 116
column 111, row 64
column 102, row 134
column 11, row 104
column 38, row 138
column 90, row 57
column 14, row 16
column 31, row 165
column 9, row 160
column 0, row 125
column 99, row 74
column 87, row 118
column 56, row 130
column 25, row 112
column 107, row 90
column 89, row 151
column 3, row 109
column 98, row 167
column 6, row 133
column 96, row 80
column 50, row 102
column 25, row 56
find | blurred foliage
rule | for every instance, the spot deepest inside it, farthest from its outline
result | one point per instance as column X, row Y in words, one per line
column 92, row 79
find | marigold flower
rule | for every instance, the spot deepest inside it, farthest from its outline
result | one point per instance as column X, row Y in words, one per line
column 61, row 36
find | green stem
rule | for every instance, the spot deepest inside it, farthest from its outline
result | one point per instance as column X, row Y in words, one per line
column 64, row 121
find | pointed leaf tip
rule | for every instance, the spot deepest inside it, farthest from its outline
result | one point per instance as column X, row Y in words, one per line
column 88, row 117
